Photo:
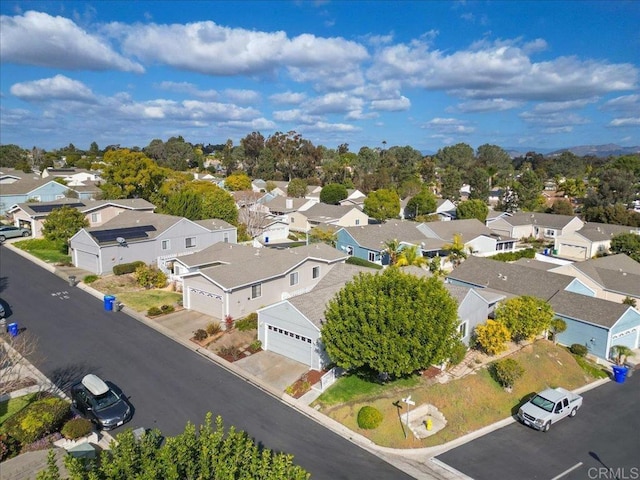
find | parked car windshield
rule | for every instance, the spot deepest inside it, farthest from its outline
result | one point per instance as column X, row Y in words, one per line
column 543, row 403
column 105, row 400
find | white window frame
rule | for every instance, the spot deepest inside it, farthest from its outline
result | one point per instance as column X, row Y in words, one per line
column 462, row 329
column 315, row 272
column 95, row 217
column 190, row 242
column 166, row 242
column 372, row 256
column 357, row 221
column 256, row 290
column 293, row 279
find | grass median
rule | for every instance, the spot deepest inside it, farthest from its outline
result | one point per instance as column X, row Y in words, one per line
column 468, row 404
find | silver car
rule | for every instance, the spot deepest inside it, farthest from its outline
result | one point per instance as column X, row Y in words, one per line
column 9, row 231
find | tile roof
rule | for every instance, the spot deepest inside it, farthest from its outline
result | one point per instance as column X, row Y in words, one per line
column 245, row 267
column 589, row 309
column 509, row 278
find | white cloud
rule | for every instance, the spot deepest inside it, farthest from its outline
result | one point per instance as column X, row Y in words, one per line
column 449, row 126
column 242, row 96
column 625, row 122
column 551, row 107
column 489, row 105
column 188, row 88
column 553, row 119
column 288, row 98
column 55, row 88
column 40, row 39
column 392, row 104
column 295, row 116
column 339, row 102
column 625, row 103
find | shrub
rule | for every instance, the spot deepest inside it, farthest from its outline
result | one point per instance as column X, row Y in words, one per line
column 362, row 263
column 76, row 428
column 200, row 335
column 149, row 276
column 513, row 256
column 255, row 346
column 231, row 352
column 38, row 419
column 492, row 337
column 9, row 447
column 369, row 417
column 507, row 371
column 579, row 350
column 125, row 268
column 228, row 322
column 90, row 279
column 167, row 308
column 213, row 328
column 250, row 322
column 153, row 311
column 458, row 353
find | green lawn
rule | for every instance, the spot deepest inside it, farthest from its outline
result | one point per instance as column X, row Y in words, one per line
column 352, row 387
column 46, row 250
column 468, row 404
column 143, row 300
column 14, row 405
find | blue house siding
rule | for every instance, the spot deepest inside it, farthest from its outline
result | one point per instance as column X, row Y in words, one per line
column 45, row 193
column 626, row 331
column 593, row 337
column 346, row 243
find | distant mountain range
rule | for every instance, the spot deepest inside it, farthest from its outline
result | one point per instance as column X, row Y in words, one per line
column 607, row 150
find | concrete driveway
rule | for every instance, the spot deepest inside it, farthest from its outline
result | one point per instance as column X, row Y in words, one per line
column 273, row 369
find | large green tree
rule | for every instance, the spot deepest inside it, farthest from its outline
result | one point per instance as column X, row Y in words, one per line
column 297, row 188
column 424, row 203
column 392, row 322
column 237, row 181
column 208, row 452
column 525, row 316
column 627, row 243
column 333, row 193
column 472, row 209
column 131, row 174
column 63, row 223
column 382, row 204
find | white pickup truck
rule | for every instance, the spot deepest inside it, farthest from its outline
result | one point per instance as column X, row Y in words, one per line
column 548, row 407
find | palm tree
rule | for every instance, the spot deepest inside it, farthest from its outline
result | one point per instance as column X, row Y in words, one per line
column 410, row 255
column 392, row 248
column 456, row 250
column 621, row 352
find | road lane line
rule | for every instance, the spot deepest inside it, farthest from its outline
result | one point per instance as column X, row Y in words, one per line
column 577, row 465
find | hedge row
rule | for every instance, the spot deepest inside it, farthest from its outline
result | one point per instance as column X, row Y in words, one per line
column 125, row 268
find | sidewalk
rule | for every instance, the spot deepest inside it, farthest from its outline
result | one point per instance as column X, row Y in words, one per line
column 419, row 463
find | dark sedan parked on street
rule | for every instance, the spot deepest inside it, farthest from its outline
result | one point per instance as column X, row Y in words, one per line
column 100, row 403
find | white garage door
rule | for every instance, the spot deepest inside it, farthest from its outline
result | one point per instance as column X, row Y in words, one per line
column 87, row 261
column 573, row 251
column 289, row 344
column 203, row 301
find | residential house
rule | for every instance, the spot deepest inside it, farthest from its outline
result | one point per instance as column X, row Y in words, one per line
column 72, row 176
column 243, row 279
column 591, row 240
column 327, row 216
column 445, row 209
column 292, row 327
column 591, row 321
column 545, row 226
column 97, row 212
column 149, row 237
column 477, row 238
column 37, row 190
column 614, row 277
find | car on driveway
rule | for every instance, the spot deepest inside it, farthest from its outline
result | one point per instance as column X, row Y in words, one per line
column 9, row 231
column 100, row 403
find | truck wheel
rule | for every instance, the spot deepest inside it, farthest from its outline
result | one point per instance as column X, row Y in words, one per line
column 573, row 412
column 546, row 427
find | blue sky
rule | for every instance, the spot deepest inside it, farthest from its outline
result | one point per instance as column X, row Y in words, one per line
column 540, row 74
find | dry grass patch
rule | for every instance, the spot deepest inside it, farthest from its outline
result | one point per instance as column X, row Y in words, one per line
column 469, row 403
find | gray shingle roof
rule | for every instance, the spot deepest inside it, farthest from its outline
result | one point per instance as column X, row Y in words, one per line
column 616, row 273
column 509, row 278
column 132, row 218
column 279, row 204
column 373, row 237
column 589, row 309
column 313, row 304
column 550, row 220
column 598, row 232
column 322, row 212
column 214, row 224
column 246, row 265
column 468, row 229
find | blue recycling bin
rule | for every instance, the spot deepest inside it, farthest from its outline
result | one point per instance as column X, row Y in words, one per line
column 12, row 328
column 109, row 301
column 620, row 373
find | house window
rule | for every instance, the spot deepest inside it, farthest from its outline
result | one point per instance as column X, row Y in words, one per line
column 225, row 237
column 462, row 329
column 549, row 232
column 316, row 272
column 95, row 217
column 166, row 244
column 357, row 221
column 293, row 278
column 256, row 290
column 349, row 250
column 372, row 256
column 293, row 220
column 58, row 197
column 190, row 242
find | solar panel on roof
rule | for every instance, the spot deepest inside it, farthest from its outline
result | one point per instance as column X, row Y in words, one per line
column 49, row 208
column 128, row 233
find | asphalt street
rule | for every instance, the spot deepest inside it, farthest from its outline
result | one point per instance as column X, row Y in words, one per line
column 167, row 383
column 601, row 442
